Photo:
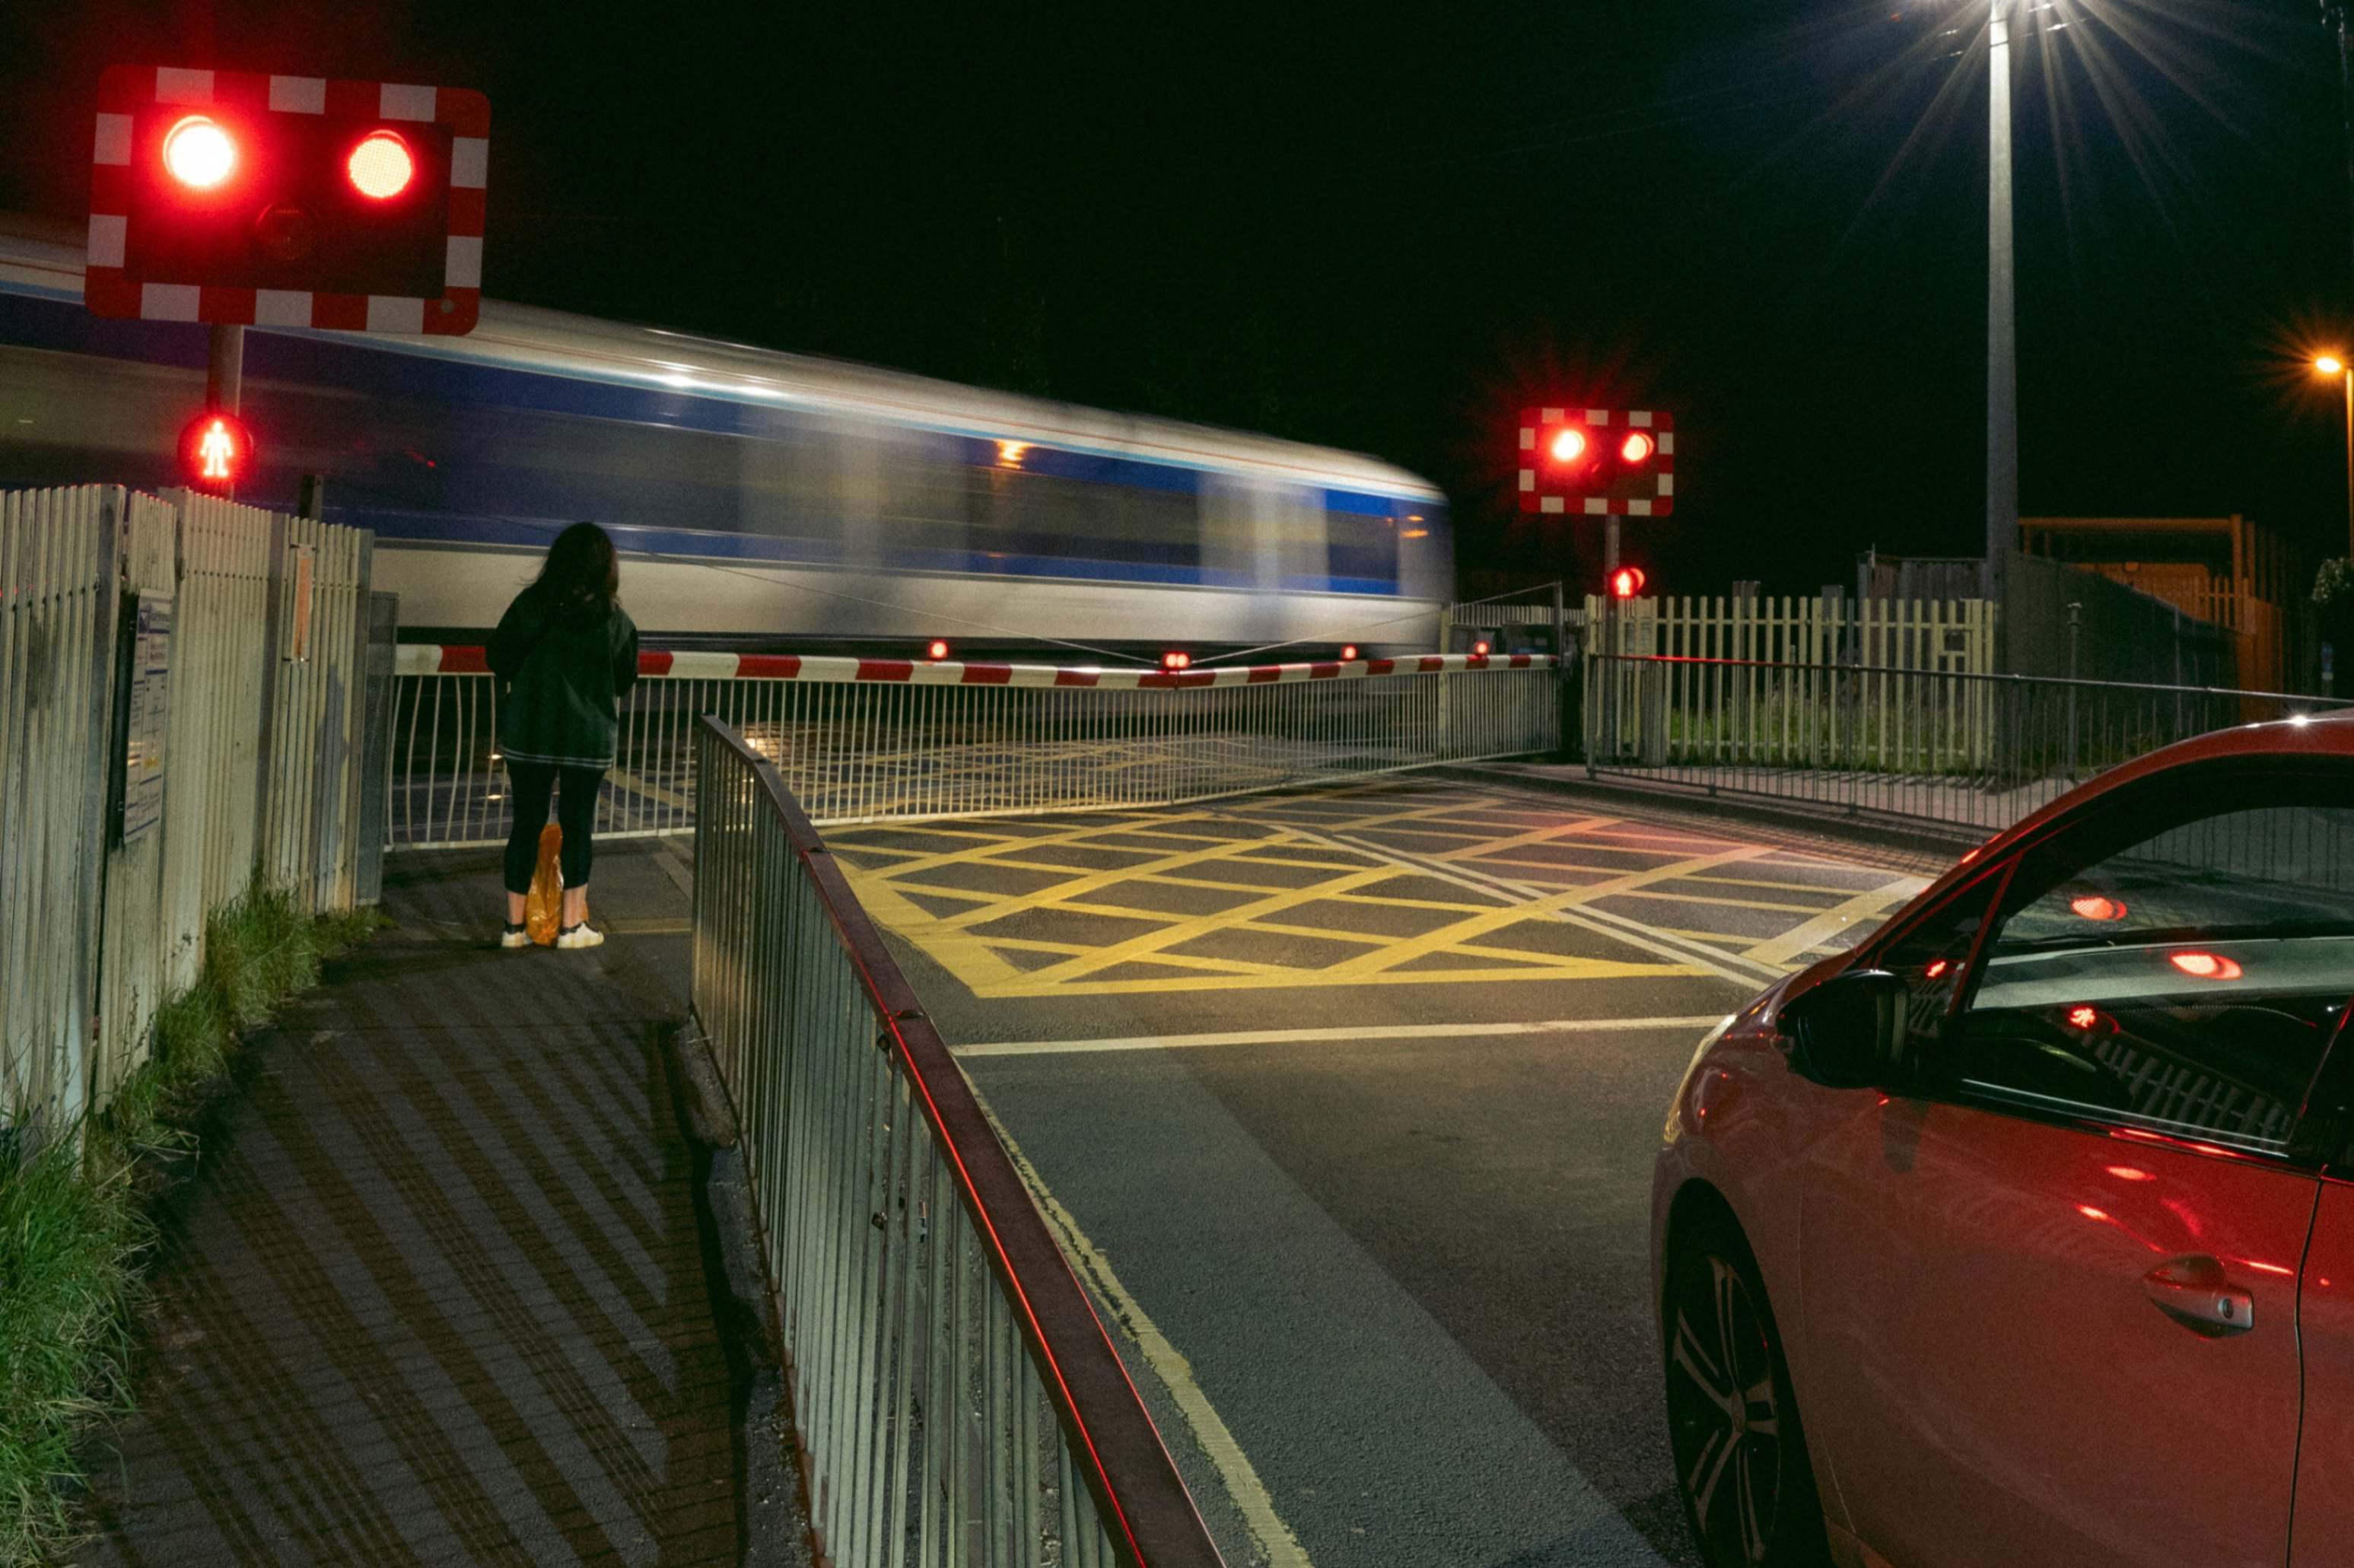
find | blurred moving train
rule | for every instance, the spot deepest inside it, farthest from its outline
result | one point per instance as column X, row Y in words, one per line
column 760, row 499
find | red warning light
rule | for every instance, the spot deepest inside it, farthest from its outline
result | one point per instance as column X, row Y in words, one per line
column 1937, row 970
column 1172, row 659
column 938, row 650
column 1567, row 445
column 1347, row 653
column 2083, row 1017
column 2205, row 965
column 1636, row 448
column 2097, row 906
column 1627, row 582
column 380, row 167
column 215, row 449
column 198, row 152
column 1480, row 649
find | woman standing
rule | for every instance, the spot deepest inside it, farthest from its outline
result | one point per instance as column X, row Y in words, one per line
column 564, row 654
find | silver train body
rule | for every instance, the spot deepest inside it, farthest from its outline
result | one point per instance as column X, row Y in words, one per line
column 760, row 499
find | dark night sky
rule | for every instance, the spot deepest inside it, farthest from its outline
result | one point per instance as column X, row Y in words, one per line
column 1387, row 228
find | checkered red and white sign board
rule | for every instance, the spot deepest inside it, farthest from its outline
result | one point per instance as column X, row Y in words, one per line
column 1647, row 489
column 125, row 91
column 459, row 659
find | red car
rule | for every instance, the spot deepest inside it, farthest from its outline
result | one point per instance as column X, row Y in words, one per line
column 2025, row 1233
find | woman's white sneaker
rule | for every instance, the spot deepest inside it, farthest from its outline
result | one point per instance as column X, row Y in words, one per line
column 514, row 937
column 584, row 934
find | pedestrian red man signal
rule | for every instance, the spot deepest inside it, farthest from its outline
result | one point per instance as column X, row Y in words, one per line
column 216, row 451
column 1627, row 582
column 234, row 197
column 1597, row 462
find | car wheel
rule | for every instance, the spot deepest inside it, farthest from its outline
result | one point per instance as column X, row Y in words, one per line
column 1741, row 1458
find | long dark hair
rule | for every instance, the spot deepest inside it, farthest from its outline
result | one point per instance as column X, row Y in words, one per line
column 581, row 568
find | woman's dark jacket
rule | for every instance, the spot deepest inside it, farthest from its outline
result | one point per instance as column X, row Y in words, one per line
column 563, row 666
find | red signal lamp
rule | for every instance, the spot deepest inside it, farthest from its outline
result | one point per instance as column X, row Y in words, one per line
column 1637, row 449
column 1480, row 649
column 198, row 153
column 1627, row 582
column 381, row 166
column 1568, row 444
column 1173, row 659
column 216, row 451
column 938, row 650
column 1347, row 653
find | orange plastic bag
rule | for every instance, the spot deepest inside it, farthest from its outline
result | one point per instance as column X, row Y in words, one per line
column 543, row 906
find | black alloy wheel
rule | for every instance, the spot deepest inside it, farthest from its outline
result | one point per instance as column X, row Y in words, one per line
column 1741, row 1460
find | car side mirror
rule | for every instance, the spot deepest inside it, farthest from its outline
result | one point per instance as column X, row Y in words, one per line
column 1850, row 1032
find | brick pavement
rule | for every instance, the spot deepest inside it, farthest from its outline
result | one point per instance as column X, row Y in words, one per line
column 439, row 1290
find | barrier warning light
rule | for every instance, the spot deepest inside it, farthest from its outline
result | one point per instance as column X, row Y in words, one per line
column 1597, row 462
column 198, row 153
column 1480, row 649
column 216, row 451
column 938, row 650
column 240, row 197
column 1347, row 653
column 380, row 167
column 1627, row 582
column 1172, row 659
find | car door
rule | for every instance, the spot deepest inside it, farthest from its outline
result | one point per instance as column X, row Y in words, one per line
column 2050, row 1292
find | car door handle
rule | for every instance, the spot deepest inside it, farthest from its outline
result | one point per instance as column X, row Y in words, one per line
column 2195, row 1293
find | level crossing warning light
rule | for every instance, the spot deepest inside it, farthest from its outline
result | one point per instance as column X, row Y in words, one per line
column 1174, row 659
column 216, row 451
column 1627, row 582
column 1597, row 462
column 239, row 197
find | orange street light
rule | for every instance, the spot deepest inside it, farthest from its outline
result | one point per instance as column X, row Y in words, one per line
column 2335, row 366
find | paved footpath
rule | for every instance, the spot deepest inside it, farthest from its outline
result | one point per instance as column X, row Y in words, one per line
column 438, row 1293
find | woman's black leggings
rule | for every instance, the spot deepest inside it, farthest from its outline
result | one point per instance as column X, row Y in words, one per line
column 576, row 813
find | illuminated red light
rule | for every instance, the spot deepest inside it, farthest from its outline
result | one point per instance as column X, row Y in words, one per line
column 1175, row 661
column 2095, row 906
column 938, row 650
column 1568, row 445
column 2083, row 1017
column 2205, row 965
column 1937, row 970
column 1636, row 448
column 1348, row 653
column 1627, row 582
column 380, row 167
column 1480, row 649
column 215, row 449
column 198, row 152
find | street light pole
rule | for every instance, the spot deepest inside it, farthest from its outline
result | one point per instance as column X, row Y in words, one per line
column 2339, row 370
column 2002, row 333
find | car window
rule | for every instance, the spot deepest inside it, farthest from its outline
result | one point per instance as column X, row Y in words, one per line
column 2187, row 980
column 1933, row 957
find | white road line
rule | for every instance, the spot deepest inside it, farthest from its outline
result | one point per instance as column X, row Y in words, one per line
column 1318, row 1036
column 1277, row 1546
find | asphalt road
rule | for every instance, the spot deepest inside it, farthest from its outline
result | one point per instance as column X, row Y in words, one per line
column 1346, row 1103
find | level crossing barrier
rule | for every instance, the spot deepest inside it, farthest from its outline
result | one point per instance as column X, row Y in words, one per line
column 179, row 720
column 862, row 740
column 957, row 1400
column 1948, row 748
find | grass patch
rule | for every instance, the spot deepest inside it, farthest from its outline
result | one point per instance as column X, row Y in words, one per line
column 74, row 1228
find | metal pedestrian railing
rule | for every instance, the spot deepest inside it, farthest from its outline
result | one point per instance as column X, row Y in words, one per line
column 1970, row 751
column 957, row 1400
column 869, row 740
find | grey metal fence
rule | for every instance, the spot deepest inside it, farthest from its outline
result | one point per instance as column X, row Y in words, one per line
column 1963, row 752
column 173, row 725
column 957, row 1400
column 866, row 740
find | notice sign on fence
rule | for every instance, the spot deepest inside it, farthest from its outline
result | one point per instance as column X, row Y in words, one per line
column 150, row 675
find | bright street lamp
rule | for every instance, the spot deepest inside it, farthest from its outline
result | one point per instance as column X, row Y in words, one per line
column 2333, row 366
